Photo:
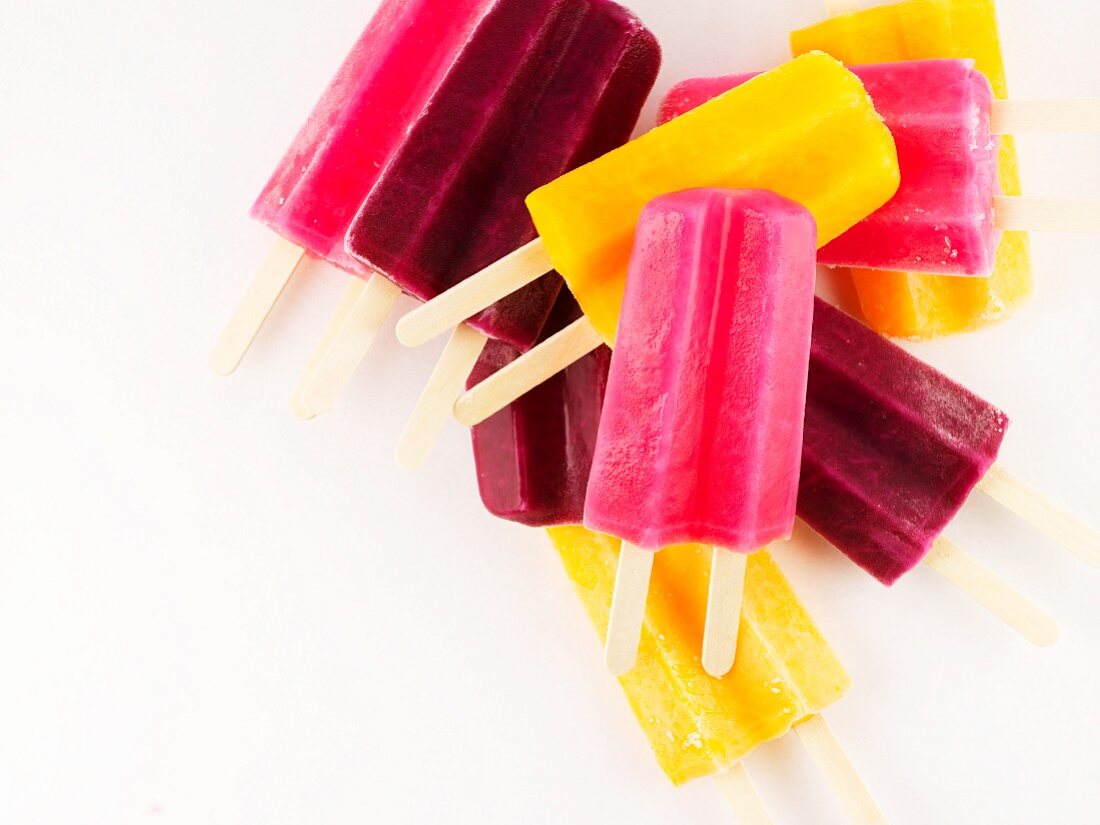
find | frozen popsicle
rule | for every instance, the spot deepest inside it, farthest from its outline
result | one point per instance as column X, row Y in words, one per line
column 919, row 305
column 943, row 218
column 785, row 676
column 537, row 88
column 534, row 457
column 806, row 130
column 892, row 451
column 702, row 424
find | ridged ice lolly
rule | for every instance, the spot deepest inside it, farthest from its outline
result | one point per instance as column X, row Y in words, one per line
column 907, row 304
column 947, row 214
column 806, row 130
column 533, row 458
column 786, row 674
column 537, row 88
column 892, row 451
column 702, row 423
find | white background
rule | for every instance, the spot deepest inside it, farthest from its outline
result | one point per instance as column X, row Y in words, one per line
column 211, row 613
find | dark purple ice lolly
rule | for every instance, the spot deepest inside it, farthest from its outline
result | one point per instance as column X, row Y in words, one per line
column 892, row 448
column 543, row 86
column 534, row 456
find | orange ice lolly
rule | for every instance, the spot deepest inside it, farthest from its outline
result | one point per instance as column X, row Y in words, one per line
column 785, row 672
column 915, row 305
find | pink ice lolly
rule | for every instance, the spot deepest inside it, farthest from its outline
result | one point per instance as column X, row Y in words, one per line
column 941, row 220
column 701, row 435
column 361, row 120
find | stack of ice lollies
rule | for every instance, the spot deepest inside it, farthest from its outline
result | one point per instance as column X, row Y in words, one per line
column 465, row 133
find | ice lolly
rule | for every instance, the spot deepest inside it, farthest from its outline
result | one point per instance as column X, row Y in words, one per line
column 941, row 218
column 534, row 458
column 806, row 130
column 702, row 423
column 892, row 447
column 914, row 305
column 786, row 673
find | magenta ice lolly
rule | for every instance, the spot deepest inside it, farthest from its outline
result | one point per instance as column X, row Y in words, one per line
column 941, row 219
column 702, row 425
column 537, row 88
column 892, row 448
column 534, row 457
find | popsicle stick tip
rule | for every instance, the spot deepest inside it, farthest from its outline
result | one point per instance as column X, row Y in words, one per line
column 624, row 626
column 992, row 593
column 1042, row 513
column 727, row 585
column 848, row 786
column 251, row 313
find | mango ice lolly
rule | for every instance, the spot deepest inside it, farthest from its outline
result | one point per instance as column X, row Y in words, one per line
column 941, row 219
column 806, row 130
column 532, row 89
column 892, row 447
column 702, row 423
column 902, row 303
column 534, row 458
column 699, row 726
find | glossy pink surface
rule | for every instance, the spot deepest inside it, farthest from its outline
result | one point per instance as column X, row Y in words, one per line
column 941, row 220
column 360, row 121
column 701, row 434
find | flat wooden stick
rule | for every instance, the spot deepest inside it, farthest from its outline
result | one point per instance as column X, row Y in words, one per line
column 992, row 593
column 624, row 627
column 742, row 796
column 351, row 294
column 818, row 739
column 1019, row 214
column 1036, row 509
column 528, row 371
column 437, row 402
column 727, row 590
column 499, row 280
column 837, row 7
column 258, row 301
column 1018, row 117
column 351, row 343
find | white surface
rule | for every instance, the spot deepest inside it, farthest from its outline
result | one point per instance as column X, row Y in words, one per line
column 211, row 613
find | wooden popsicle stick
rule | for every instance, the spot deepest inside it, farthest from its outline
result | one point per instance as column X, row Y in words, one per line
column 727, row 590
column 1020, row 214
column 436, row 403
column 1018, row 117
column 741, row 794
column 351, row 343
column 624, row 627
column 262, row 295
column 528, row 371
column 351, row 294
column 992, row 593
column 821, row 743
column 468, row 298
column 1039, row 511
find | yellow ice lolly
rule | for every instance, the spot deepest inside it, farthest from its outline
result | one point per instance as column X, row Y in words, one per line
column 807, row 130
column 698, row 726
column 908, row 304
